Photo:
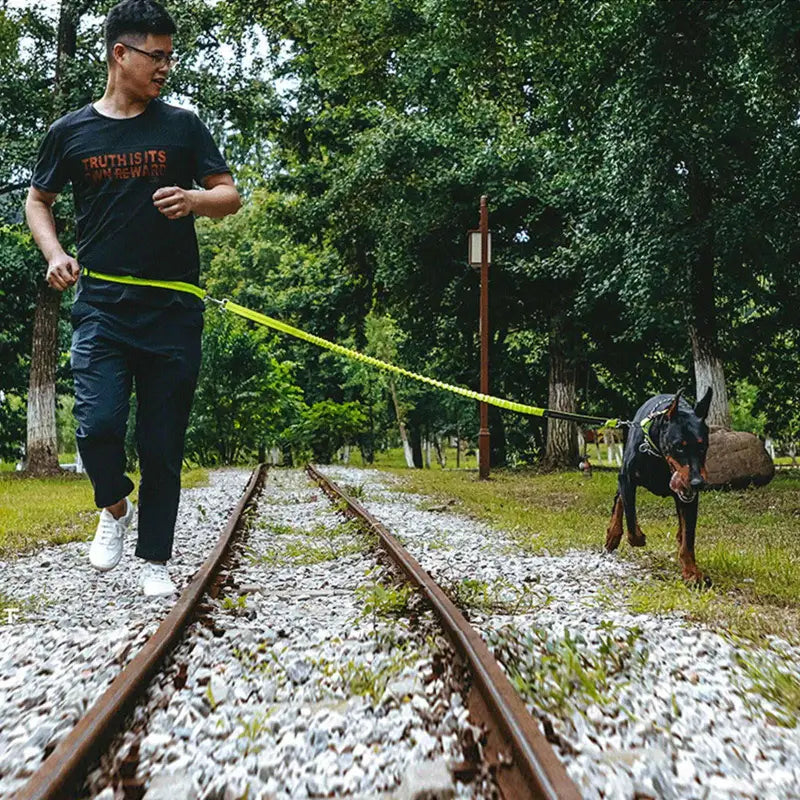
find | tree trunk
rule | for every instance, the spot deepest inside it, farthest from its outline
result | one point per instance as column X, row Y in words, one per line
column 415, row 438
column 41, row 457
column 708, row 368
column 41, row 452
column 708, row 371
column 561, row 449
column 441, row 455
column 407, row 452
column 497, row 438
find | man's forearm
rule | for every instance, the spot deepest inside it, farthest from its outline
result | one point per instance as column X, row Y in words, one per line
column 217, row 202
column 43, row 227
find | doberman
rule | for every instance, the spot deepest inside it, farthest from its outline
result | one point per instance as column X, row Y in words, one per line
column 666, row 453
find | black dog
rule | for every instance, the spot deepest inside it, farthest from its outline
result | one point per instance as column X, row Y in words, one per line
column 666, row 453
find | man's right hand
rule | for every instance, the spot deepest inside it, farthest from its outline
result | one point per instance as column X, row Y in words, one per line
column 62, row 272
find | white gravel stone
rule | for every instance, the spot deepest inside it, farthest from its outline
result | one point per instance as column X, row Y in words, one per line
column 428, row 780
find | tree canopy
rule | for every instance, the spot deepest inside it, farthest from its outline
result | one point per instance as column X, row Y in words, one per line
column 639, row 162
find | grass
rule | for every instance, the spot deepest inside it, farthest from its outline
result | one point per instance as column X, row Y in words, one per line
column 46, row 511
column 323, row 542
column 775, row 680
column 369, row 680
column 394, row 459
column 498, row 597
column 748, row 541
column 564, row 674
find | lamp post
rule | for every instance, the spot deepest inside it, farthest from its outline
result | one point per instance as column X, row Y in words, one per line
column 480, row 254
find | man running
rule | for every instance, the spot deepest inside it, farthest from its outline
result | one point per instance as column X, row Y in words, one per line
column 132, row 161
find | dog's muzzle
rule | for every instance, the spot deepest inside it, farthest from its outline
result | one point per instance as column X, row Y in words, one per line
column 686, row 491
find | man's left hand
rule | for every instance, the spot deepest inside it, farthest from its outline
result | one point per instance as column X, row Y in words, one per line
column 173, row 202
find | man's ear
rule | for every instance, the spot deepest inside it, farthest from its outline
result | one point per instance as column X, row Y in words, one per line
column 673, row 406
column 701, row 409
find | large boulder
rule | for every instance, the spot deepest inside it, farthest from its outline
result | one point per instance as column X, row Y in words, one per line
column 736, row 459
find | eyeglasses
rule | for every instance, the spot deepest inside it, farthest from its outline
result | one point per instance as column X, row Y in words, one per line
column 158, row 57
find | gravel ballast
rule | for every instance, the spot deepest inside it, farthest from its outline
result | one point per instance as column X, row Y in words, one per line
column 293, row 685
column 310, row 675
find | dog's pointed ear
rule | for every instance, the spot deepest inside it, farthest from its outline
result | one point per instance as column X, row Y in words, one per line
column 673, row 406
column 701, row 409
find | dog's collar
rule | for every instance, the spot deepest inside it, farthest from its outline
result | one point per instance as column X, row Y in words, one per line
column 648, row 445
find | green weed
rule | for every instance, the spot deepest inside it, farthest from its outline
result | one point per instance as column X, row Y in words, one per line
column 563, row 675
column 498, row 597
column 778, row 682
column 252, row 730
column 323, row 542
column 367, row 680
column 236, row 606
column 355, row 490
column 383, row 601
column 278, row 528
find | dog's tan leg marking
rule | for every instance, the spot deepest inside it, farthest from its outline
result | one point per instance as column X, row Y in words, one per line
column 614, row 532
column 690, row 572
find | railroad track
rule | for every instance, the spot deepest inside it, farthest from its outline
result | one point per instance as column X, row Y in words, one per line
column 312, row 672
column 513, row 760
column 521, row 760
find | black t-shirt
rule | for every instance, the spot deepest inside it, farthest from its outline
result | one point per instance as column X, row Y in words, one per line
column 115, row 166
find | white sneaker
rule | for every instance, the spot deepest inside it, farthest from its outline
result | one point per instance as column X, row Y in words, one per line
column 106, row 548
column 156, row 581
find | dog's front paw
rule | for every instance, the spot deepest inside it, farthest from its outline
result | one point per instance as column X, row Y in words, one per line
column 637, row 539
column 696, row 580
column 613, row 538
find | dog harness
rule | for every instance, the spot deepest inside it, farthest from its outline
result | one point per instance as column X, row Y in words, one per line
column 648, row 446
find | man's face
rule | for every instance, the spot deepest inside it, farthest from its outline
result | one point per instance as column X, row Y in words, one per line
column 145, row 75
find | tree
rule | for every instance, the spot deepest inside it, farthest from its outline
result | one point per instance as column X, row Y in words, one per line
column 41, row 451
column 245, row 399
column 327, row 426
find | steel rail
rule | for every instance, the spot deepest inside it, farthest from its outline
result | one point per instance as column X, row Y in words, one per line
column 525, row 764
column 60, row 774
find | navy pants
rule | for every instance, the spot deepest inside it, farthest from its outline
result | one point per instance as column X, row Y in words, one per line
column 114, row 348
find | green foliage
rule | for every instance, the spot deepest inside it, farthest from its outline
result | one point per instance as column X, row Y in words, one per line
column 12, row 427
column 252, row 730
column 498, row 597
column 326, row 426
column 245, row 398
column 637, row 156
column 562, row 674
column 20, row 267
column 370, row 679
column 619, row 209
column 66, row 424
column 743, row 414
column 324, row 542
column 776, row 682
column 236, row 606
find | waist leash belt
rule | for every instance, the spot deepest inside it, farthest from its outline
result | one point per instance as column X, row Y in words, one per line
column 282, row 327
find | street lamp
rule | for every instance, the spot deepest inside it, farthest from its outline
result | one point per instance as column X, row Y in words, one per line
column 480, row 255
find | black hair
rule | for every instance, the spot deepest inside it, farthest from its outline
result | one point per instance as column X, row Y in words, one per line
column 136, row 19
